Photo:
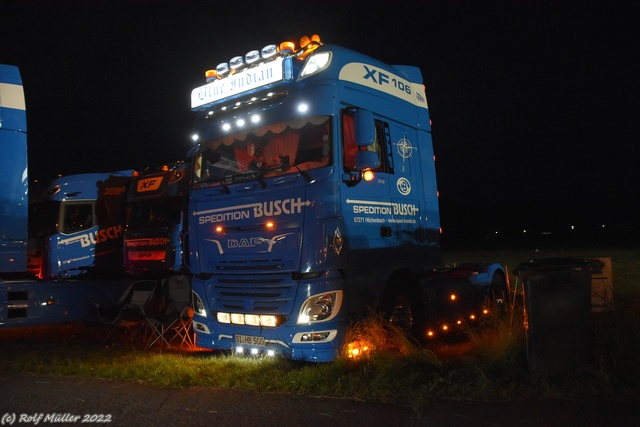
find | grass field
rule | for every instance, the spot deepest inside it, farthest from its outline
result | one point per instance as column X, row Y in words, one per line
column 485, row 363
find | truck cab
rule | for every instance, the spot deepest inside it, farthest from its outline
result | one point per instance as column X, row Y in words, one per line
column 313, row 199
column 156, row 206
column 76, row 226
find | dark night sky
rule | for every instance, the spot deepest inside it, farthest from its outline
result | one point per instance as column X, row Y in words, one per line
column 534, row 104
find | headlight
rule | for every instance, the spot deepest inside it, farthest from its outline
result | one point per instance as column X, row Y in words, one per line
column 320, row 307
column 316, row 63
column 198, row 306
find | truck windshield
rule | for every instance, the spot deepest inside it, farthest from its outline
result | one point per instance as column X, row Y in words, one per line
column 154, row 214
column 263, row 152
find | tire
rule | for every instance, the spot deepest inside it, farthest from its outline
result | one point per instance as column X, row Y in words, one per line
column 498, row 293
column 400, row 313
column 405, row 311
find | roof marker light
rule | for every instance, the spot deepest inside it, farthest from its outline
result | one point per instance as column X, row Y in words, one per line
column 222, row 69
column 287, row 47
column 308, row 45
column 236, row 62
column 210, row 75
column 269, row 51
column 252, row 57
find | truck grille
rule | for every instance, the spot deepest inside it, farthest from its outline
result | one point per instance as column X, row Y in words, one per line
column 266, row 294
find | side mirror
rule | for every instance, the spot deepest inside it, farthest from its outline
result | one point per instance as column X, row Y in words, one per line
column 364, row 127
column 366, row 160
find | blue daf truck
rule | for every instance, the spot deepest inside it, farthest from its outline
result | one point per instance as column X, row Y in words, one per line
column 314, row 201
column 72, row 241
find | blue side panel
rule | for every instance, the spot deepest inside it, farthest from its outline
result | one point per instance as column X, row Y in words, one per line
column 29, row 303
column 13, row 172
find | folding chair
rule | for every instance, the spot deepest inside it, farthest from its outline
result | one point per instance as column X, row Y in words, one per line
column 174, row 322
column 129, row 313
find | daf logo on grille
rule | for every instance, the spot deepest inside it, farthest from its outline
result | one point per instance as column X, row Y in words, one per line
column 252, row 242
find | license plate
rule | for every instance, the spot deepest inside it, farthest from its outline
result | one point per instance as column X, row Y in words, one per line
column 249, row 340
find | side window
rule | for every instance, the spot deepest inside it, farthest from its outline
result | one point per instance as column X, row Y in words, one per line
column 381, row 145
column 77, row 217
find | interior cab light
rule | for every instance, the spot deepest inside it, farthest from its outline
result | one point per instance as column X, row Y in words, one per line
column 368, row 175
column 287, row 47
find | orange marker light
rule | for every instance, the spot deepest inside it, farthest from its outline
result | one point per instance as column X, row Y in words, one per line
column 368, row 176
column 287, row 46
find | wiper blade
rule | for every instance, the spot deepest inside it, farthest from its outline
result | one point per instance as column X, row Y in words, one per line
column 260, row 179
column 225, row 187
column 304, row 174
